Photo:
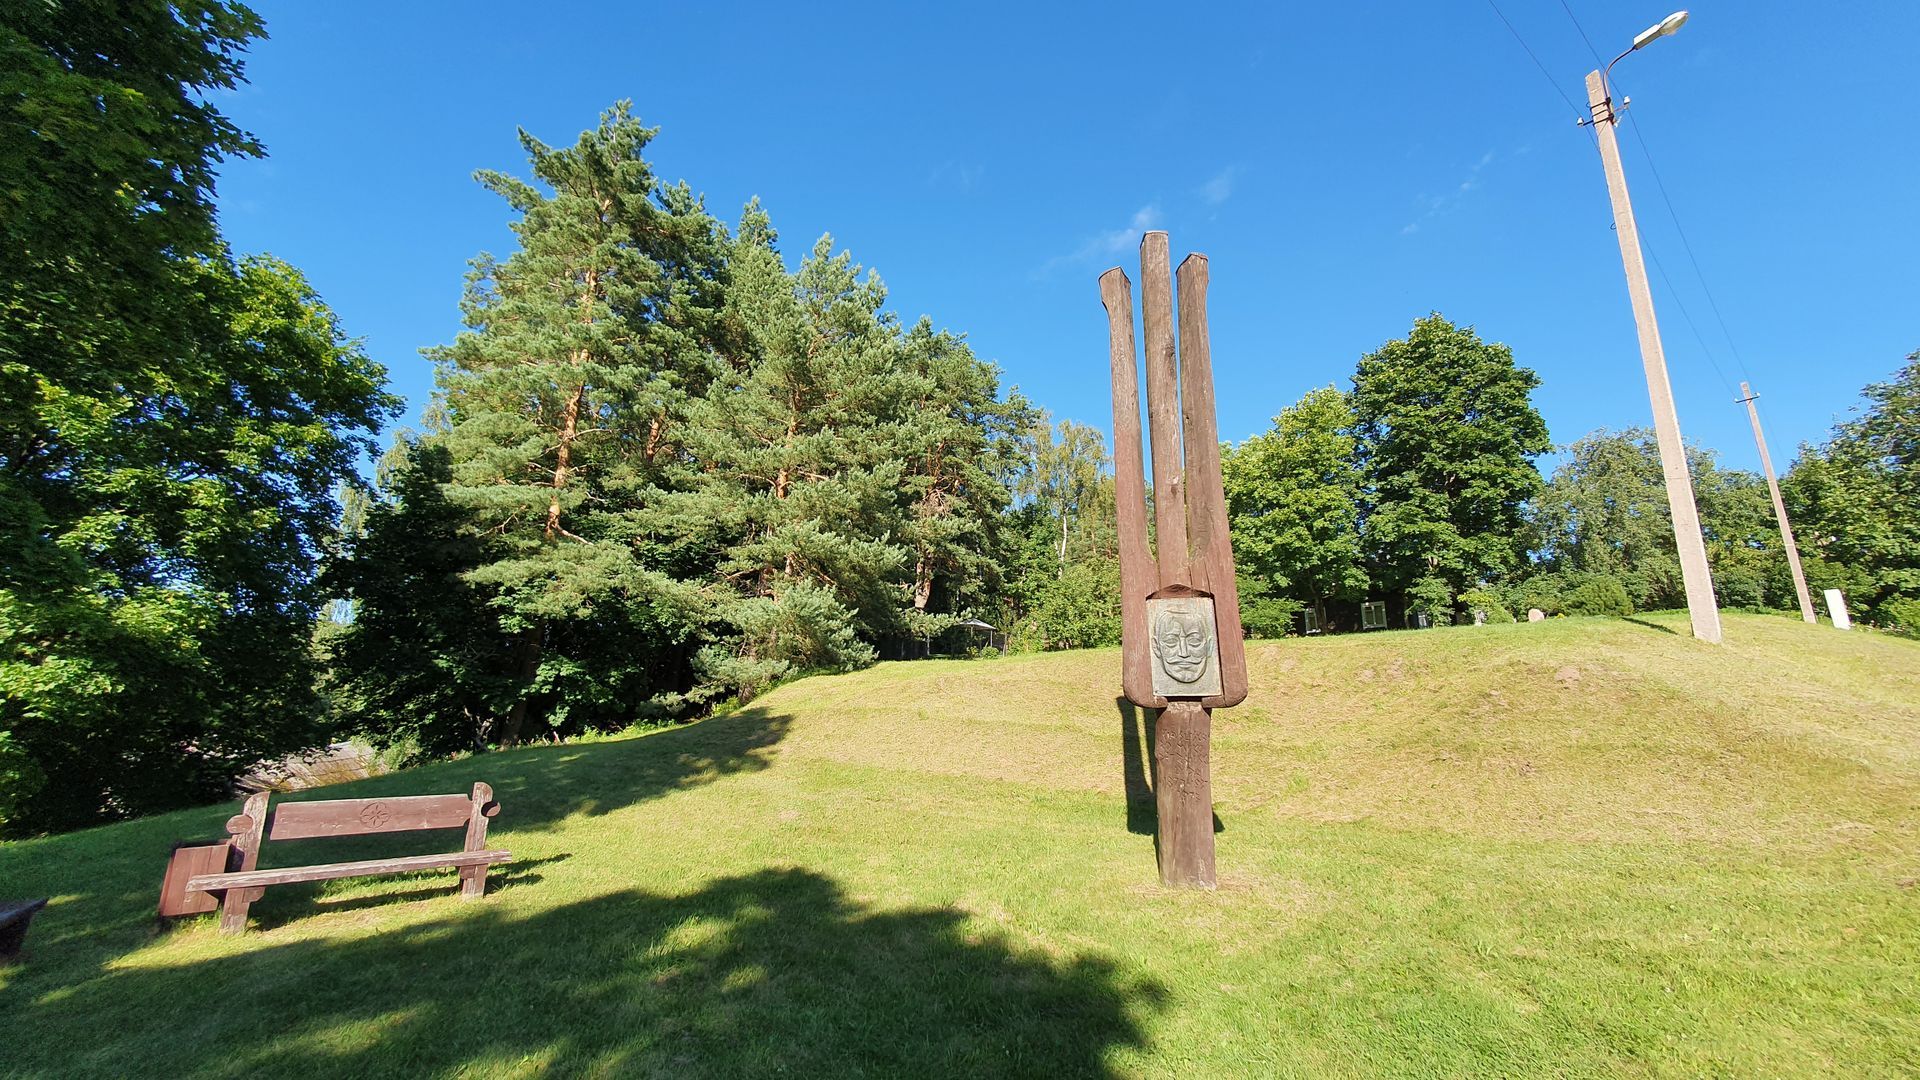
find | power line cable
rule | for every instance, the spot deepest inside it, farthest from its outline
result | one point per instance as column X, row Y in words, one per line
column 1578, row 112
column 1583, row 34
column 1674, row 295
column 1661, row 186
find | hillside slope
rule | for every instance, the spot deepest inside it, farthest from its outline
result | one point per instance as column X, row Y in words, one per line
column 1582, row 847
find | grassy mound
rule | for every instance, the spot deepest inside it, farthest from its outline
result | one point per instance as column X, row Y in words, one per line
column 1581, row 847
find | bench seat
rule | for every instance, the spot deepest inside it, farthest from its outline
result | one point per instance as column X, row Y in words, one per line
column 247, row 879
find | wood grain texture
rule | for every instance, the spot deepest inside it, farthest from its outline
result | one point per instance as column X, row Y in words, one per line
column 249, row 830
column 242, row 883
column 1163, row 413
column 480, row 807
column 1183, row 794
column 1206, row 497
column 1138, row 576
column 250, row 879
column 357, row 817
column 190, row 860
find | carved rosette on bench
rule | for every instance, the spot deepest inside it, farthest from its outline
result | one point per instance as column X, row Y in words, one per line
column 243, row 882
column 1182, row 651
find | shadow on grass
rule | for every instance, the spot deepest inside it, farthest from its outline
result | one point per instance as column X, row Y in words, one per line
column 105, row 881
column 1138, row 772
column 1136, row 763
column 773, row 972
column 1649, row 625
column 291, row 903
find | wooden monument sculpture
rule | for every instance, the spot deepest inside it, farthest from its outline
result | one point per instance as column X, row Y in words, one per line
column 1182, row 651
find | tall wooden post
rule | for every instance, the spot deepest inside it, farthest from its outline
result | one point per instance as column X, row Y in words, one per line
column 1701, row 606
column 1182, row 651
column 1780, row 510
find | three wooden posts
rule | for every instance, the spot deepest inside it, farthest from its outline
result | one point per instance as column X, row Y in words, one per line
column 1182, row 651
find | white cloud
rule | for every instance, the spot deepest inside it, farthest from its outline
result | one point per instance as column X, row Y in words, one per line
column 1220, row 188
column 1110, row 242
column 1437, row 205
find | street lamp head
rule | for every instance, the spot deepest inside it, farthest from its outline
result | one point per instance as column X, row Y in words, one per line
column 1668, row 25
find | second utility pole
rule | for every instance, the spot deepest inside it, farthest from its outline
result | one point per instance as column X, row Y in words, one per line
column 1701, row 606
column 1780, row 510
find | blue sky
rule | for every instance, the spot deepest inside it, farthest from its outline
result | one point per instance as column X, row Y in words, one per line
column 1347, row 168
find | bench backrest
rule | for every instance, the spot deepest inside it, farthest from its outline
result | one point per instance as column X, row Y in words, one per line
column 357, row 817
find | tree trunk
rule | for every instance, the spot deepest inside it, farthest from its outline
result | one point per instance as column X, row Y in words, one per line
column 528, row 653
column 922, row 582
column 563, row 458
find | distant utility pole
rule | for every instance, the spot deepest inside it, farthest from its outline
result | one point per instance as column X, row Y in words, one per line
column 1666, row 425
column 1779, row 510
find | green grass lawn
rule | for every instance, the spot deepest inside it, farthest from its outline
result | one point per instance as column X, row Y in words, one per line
column 1584, row 847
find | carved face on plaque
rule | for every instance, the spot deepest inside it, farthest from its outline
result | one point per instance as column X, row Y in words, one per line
column 1186, row 654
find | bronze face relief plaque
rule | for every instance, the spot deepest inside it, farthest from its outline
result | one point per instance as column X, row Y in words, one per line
column 1186, row 652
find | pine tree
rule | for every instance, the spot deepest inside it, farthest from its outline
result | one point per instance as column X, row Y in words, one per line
column 565, row 399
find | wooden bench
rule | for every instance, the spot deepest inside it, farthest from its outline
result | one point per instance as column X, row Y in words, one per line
column 253, row 826
column 14, row 917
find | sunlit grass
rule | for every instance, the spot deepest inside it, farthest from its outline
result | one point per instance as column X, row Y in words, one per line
column 1585, row 847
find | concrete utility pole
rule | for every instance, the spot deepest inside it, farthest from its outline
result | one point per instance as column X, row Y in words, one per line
column 1779, row 510
column 1687, row 538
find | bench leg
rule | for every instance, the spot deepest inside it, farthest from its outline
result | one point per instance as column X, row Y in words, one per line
column 473, row 882
column 233, row 909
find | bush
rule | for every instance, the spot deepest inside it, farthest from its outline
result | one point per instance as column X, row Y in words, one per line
column 1901, row 616
column 1270, row 616
column 1432, row 596
column 1080, row 609
column 1599, row 595
column 1545, row 593
column 1488, row 601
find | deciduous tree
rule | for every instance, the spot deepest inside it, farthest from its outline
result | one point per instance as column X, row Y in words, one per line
column 1448, row 433
column 1294, row 495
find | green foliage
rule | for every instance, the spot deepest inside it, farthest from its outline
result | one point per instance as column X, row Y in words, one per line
column 1294, row 496
column 173, row 425
column 564, row 401
column 1599, row 595
column 1487, row 601
column 109, row 143
column 1605, row 512
column 677, row 472
column 157, row 599
column 1447, row 433
column 1063, row 572
column 1266, row 616
column 1432, row 597
column 1078, row 609
column 1853, row 500
column 1900, row 615
column 420, row 667
column 850, row 471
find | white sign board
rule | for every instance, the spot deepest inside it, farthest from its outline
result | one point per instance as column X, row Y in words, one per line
column 1837, row 607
